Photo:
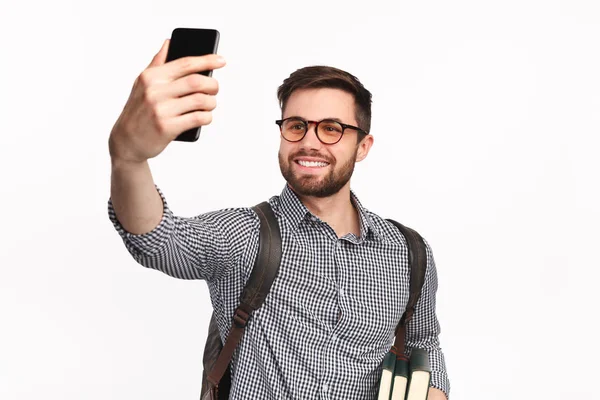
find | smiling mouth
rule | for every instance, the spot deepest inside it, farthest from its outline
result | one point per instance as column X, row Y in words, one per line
column 312, row 164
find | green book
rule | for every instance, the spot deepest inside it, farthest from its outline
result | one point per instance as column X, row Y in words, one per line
column 387, row 374
column 400, row 379
column 419, row 375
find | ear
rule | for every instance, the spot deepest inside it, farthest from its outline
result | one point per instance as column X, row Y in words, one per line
column 363, row 147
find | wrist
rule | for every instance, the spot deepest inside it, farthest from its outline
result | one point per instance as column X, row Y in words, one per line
column 119, row 154
column 120, row 163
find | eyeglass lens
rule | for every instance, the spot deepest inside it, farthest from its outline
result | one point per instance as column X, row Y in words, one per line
column 327, row 131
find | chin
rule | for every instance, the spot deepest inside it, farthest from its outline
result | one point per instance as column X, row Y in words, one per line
column 320, row 185
column 318, row 189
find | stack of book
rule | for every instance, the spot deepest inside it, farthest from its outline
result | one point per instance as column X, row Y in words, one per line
column 405, row 379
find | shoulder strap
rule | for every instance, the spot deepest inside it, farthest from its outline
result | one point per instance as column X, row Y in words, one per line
column 417, row 262
column 257, row 287
column 268, row 260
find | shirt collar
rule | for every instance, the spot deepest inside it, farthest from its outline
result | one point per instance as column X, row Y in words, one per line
column 295, row 211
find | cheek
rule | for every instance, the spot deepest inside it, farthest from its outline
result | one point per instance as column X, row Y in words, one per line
column 284, row 150
column 343, row 155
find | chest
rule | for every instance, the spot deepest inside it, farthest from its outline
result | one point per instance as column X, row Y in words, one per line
column 326, row 286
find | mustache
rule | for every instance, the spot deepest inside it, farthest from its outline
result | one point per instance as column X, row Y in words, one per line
column 313, row 154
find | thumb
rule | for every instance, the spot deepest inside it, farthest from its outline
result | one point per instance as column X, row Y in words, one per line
column 161, row 56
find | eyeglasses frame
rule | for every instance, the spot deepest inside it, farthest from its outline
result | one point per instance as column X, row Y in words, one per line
column 280, row 122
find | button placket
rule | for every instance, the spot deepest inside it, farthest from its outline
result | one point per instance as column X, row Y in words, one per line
column 340, row 265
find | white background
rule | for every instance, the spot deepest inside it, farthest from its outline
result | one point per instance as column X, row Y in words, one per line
column 486, row 122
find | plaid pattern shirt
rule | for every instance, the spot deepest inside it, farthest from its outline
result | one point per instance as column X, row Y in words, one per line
column 330, row 316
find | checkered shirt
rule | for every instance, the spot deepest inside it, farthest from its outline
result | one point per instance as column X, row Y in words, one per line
column 330, row 316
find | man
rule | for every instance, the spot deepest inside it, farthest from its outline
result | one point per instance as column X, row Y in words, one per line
column 342, row 285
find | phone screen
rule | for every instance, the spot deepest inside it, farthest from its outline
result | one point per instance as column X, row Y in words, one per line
column 192, row 42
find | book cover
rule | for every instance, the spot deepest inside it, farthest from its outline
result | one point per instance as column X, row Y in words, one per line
column 419, row 375
column 387, row 374
column 400, row 378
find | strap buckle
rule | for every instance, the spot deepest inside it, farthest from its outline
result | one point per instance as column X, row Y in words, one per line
column 240, row 318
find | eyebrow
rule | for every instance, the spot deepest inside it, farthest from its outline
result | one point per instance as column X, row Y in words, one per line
column 327, row 118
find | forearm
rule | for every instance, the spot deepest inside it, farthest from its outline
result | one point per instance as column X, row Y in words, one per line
column 436, row 394
column 136, row 201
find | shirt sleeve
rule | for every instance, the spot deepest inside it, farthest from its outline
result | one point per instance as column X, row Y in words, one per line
column 423, row 329
column 206, row 246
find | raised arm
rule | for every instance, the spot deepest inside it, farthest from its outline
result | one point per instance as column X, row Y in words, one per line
column 166, row 99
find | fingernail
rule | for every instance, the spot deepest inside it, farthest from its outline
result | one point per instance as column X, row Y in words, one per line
column 220, row 59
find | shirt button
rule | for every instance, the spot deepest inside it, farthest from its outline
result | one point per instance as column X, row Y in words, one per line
column 334, row 337
column 325, row 388
column 342, row 292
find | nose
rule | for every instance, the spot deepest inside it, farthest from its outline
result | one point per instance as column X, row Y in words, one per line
column 310, row 139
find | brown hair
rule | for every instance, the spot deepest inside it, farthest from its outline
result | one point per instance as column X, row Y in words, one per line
column 329, row 77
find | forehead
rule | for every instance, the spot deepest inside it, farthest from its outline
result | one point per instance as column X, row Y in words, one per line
column 317, row 104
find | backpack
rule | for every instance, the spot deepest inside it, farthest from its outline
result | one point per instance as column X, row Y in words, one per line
column 216, row 378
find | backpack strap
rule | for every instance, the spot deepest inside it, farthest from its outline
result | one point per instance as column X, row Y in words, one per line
column 417, row 262
column 257, row 287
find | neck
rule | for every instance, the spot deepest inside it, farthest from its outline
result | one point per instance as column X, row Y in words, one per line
column 336, row 210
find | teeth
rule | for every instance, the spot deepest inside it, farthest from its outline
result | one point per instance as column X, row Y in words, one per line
column 312, row 164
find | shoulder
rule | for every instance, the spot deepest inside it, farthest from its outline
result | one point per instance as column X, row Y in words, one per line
column 390, row 232
column 385, row 229
column 233, row 220
column 239, row 218
column 275, row 203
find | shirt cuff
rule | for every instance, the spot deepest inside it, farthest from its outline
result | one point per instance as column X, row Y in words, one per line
column 439, row 380
column 151, row 242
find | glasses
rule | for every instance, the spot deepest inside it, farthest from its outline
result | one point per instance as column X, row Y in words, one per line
column 328, row 131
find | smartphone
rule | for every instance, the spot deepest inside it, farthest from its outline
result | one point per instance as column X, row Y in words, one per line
column 192, row 42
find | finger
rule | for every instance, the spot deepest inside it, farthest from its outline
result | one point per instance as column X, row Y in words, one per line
column 182, row 123
column 161, row 56
column 188, row 65
column 194, row 83
column 182, row 105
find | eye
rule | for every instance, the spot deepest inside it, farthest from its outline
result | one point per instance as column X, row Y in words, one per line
column 294, row 126
column 330, row 127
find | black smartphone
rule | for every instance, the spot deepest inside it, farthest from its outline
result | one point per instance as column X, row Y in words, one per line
column 192, row 42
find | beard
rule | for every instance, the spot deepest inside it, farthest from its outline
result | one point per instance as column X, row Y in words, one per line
column 317, row 186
